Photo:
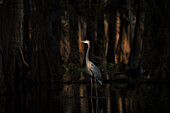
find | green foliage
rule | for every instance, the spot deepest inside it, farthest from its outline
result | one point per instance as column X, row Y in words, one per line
column 70, row 67
column 65, row 67
column 109, row 67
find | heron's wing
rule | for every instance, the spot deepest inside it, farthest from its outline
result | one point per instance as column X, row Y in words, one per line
column 96, row 72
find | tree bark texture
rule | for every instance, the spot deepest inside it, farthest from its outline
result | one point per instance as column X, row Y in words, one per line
column 155, row 51
column 136, row 49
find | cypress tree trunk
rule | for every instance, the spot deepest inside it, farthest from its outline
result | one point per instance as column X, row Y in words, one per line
column 15, row 18
column 91, row 24
column 81, row 35
column 100, row 45
column 42, row 40
column 138, row 36
column 156, row 49
column 112, row 37
column 74, row 56
column 2, row 80
column 2, row 44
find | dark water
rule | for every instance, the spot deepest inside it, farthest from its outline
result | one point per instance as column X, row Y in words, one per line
column 75, row 98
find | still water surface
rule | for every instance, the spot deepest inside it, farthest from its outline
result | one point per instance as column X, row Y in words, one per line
column 75, row 98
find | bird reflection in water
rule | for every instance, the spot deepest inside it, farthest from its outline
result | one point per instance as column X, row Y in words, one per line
column 84, row 101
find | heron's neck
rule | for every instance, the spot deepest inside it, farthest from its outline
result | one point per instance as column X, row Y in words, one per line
column 87, row 53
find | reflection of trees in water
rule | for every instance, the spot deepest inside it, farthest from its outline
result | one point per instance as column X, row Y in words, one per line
column 83, row 93
column 34, row 99
column 118, row 98
column 74, row 98
column 2, row 104
column 108, row 98
column 112, row 98
column 151, row 98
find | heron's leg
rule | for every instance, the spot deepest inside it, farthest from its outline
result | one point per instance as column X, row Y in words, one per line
column 96, row 87
column 91, row 86
column 91, row 94
column 96, row 95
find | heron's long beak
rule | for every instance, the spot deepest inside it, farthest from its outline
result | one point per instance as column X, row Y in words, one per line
column 83, row 41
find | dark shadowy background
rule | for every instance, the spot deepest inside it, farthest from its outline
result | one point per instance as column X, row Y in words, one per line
column 40, row 42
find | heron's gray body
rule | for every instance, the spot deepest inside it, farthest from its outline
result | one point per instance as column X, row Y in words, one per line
column 94, row 71
column 92, row 68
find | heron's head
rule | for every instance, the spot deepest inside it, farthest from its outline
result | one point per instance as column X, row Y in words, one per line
column 85, row 41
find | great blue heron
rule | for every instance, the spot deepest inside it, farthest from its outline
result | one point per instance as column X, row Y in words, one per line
column 92, row 69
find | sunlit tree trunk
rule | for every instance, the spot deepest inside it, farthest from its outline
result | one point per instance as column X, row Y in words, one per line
column 117, row 29
column 81, row 36
column 123, row 47
column 106, row 35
